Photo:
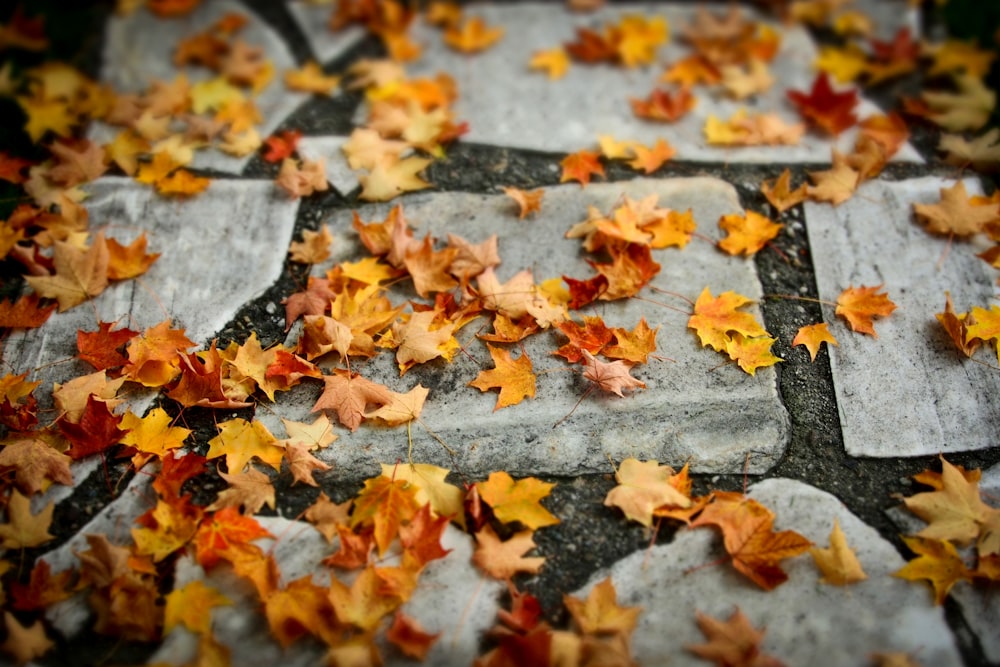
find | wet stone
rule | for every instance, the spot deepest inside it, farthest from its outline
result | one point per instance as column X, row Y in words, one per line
column 696, row 407
column 910, row 376
column 803, row 617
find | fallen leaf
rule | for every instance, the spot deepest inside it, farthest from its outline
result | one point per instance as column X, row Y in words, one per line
column 612, row 377
column 517, row 500
column 644, row 486
column 23, row 529
column 825, row 108
column 554, row 62
column 251, row 490
column 527, row 202
column 580, row 166
column 838, row 563
column 748, row 233
column 191, row 606
column 780, row 194
column 502, row 560
column 663, row 106
column 600, row 614
column 472, row 35
column 812, row 336
column 391, row 177
column 515, row 378
column 937, row 562
column 955, row 213
column 79, row 274
column 25, row 643
column 859, row 306
column 733, row 643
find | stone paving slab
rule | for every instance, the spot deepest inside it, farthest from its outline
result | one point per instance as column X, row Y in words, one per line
column 910, row 377
column 139, row 47
column 529, row 111
column 338, row 171
column 313, row 19
column 692, row 409
column 804, row 618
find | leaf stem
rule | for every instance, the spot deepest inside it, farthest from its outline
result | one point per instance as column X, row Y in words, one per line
column 793, row 297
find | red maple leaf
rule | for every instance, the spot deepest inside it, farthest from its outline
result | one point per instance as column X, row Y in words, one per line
column 96, row 431
column 103, row 349
column 829, row 110
column 281, row 145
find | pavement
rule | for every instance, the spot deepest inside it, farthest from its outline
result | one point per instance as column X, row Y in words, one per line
column 835, row 438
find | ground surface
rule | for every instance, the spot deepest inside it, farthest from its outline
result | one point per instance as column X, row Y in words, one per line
column 840, row 436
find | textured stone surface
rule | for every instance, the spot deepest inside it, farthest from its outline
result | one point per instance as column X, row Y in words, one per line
column 692, row 409
column 804, row 618
column 910, row 377
column 452, row 598
column 219, row 250
column 139, row 47
column 530, row 111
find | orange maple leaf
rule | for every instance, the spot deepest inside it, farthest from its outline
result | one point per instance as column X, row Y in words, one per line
column 780, row 194
column 79, row 274
column 733, row 643
column 747, row 233
column 714, row 317
column 515, row 378
column 644, row 486
column 472, row 35
column 580, row 166
column 25, row 313
column 384, row 504
column 663, row 106
column 349, row 395
column 749, row 537
column 502, row 560
column 612, row 377
column 528, row 202
column 812, row 336
column 859, row 306
column 225, row 530
column 600, row 614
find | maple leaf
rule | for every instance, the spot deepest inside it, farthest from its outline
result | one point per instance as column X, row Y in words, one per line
column 632, row 346
column 251, row 490
column 938, row 562
column 166, row 528
column 314, row 248
column 649, row 160
column 472, row 259
column 662, row 106
column 153, row 434
column 349, row 395
column 751, row 353
column 191, row 606
column 889, row 131
column 24, row 643
column 859, row 306
column 240, row 440
column 302, row 464
column 431, row 488
column 77, row 162
column 430, row 269
column 528, row 202
column 25, row 313
column 401, row 408
column 982, row 153
column 812, row 336
column 79, row 274
column 580, row 166
column 749, row 537
column 612, row 377
column 968, row 109
column 391, row 177
column 421, row 539
column 780, row 194
column 384, row 504
column 417, row 343
column 517, row 500
column 838, row 563
column 835, row 185
column 43, row 589
column 223, row 533
column 554, row 62
column 365, row 603
column 714, row 317
column 100, row 348
column 502, row 560
column 302, row 180
column 327, row 515
column 314, row 300
column 985, row 327
column 96, row 430
column 23, row 529
column 955, row 511
column 409, row 637
column 311, row 79
column 955, row 214
column 472, row 35
column 281, row 145
column 35, row 464
column 733, row 643
column 742, row 83
column 691, row 71
column 825, row 108
column 600, row 614
column 643, row 486
column 515, row 378
column 956, row 325
column 747, row 234
column 154, row 357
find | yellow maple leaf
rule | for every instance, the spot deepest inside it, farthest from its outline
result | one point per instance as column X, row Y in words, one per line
column 517, row 500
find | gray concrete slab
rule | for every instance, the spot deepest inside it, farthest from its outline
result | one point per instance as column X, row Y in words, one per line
column 568, row 114
column 690, row 411
column 804, row 618
column 907, row 393
column 139, row 47
column 212, row 262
